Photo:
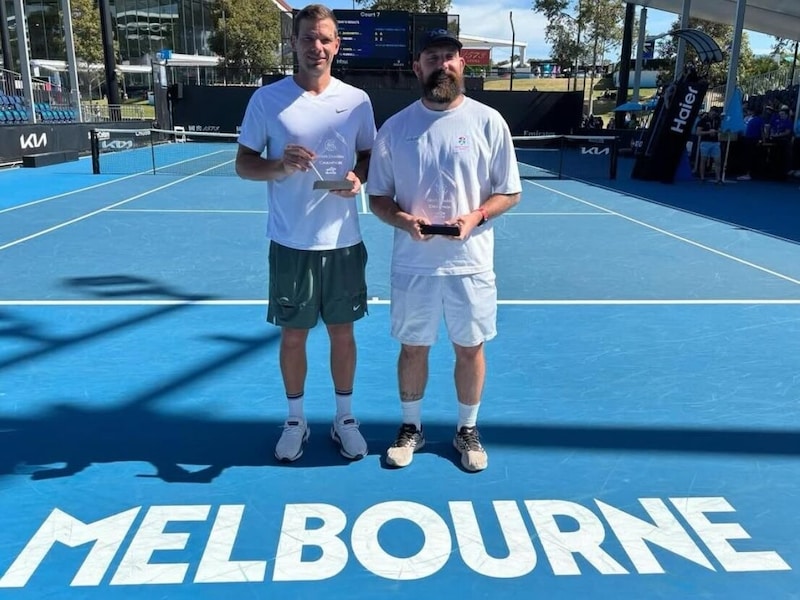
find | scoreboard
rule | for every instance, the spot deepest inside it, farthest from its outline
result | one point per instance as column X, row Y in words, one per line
column 373, row 39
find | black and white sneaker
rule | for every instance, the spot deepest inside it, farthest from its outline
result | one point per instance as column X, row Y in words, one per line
column 409, row 440
column 468, row 442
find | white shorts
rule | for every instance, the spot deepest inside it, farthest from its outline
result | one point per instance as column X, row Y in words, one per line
column 468, row 303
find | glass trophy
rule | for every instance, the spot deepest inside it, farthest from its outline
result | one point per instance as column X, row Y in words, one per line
column 439, row 198
column 332, row 163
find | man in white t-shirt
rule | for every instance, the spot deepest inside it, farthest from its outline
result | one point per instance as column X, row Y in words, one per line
column 445, row 159
column 296, row 132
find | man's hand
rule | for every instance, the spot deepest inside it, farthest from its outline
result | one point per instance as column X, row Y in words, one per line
column 297, row 158
column 352, row 177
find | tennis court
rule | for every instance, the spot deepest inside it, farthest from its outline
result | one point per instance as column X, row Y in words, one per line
column 641, row 410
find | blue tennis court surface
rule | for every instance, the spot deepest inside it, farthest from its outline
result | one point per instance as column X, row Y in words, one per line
column 641, row 411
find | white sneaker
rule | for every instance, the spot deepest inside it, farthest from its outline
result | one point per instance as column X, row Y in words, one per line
column 345, row 433
column 743, row 178
column 295, row 435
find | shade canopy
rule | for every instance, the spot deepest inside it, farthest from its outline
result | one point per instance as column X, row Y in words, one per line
column 780, row 18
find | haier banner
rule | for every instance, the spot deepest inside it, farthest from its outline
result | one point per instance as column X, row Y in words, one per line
column 662, row 145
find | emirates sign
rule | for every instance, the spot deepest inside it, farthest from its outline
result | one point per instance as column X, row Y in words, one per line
column 476, row 56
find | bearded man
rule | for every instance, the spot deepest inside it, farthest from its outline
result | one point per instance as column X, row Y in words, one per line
column 446, row 161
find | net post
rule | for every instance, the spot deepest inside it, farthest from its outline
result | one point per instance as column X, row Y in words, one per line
column 562, row 148
column 95, row 146
column 153, row 149
column 614, row 155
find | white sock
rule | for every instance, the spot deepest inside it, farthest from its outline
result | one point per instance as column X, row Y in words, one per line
column 344, row 402
column 412, row 412
column 467, row 415
column 296, row 407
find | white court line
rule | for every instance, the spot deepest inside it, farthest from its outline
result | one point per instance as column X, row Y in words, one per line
column 118, row 179
column 77, row 191
column 104, row 209
column 379, row 301
column 236, row 211
column 673, row 235
column 558, row 214
column 187, row 210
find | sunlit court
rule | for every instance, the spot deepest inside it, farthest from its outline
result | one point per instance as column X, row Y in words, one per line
column 640, row 411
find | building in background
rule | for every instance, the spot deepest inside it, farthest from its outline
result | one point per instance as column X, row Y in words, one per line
column 142, row 28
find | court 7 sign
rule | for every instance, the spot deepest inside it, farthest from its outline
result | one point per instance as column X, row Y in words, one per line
column 476, row 56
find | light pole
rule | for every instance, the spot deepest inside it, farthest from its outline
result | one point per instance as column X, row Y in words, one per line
column 511, row 77
column 578, row 46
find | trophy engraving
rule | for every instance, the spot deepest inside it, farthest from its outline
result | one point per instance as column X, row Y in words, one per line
column 332, row 163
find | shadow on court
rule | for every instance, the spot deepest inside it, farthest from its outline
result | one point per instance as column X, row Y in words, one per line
column 100, row 288
column 770, row 207
column 78, row 438
column 69, row 438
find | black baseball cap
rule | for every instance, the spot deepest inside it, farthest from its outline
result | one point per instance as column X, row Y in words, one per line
column 439, row 37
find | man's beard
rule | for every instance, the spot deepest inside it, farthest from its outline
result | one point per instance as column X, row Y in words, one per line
column 441, row 87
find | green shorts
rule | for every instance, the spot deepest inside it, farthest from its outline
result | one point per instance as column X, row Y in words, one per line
column 307, row 284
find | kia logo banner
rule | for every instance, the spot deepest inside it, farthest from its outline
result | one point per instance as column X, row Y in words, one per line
column 33, row 141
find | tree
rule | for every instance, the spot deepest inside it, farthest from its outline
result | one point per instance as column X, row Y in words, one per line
column 417, row 6
column 247, row 35
column 580, row 31
column 604, row 24
column 88, row 40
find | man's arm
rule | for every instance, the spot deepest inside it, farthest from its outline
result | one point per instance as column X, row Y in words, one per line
column 494, row 206
column 388, row 211
column 362, row 165
column 250, row 164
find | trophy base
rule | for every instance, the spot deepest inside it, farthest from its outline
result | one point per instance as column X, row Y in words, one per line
column 331, row 184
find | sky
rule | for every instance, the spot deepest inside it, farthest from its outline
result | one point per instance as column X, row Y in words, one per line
column 491, row 19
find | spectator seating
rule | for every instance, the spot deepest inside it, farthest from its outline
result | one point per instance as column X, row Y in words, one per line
column 13, row 111
column 775, row 98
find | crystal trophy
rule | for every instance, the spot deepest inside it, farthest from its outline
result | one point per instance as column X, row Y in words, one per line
column 332, row 163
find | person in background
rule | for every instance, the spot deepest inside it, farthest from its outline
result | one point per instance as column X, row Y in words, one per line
column 708, row 134
column 754, row 125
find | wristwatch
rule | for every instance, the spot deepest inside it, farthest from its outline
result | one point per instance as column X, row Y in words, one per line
column 484, row 215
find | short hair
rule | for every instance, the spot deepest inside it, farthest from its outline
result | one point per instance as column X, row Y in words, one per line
column 313, row 12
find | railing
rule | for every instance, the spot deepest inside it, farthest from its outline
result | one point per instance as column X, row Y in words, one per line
column 97, row 112
column 43, row 90
column 780, row 79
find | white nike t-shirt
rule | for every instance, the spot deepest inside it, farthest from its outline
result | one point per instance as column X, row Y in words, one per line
column 335, row 124
column 442, row 164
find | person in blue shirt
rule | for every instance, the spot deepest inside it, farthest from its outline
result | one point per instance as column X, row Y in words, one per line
column 754, row 126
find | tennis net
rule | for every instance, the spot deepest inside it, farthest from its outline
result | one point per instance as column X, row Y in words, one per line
column 159, row 151
column 566, row 156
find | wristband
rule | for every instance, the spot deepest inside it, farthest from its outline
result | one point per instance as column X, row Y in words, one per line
column 484, row 215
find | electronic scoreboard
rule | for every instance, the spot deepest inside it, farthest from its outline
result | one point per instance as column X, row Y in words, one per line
column 373, row 39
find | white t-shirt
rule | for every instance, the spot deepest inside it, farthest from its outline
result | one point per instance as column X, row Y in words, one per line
column 335, row 124
column 442, row 164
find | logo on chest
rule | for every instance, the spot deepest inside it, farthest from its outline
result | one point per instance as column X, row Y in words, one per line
column 462, row 144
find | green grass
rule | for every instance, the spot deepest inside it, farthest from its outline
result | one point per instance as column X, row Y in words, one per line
column 601, row 107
